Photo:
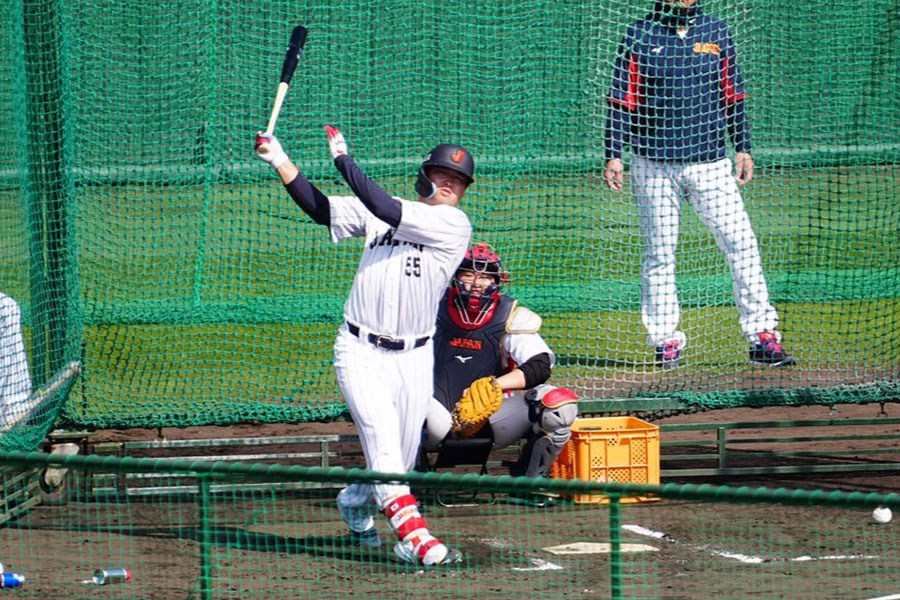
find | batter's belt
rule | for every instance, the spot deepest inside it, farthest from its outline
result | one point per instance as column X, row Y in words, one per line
column 387, row 342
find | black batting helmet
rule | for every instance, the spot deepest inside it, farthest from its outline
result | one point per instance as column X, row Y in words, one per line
column 449, row 156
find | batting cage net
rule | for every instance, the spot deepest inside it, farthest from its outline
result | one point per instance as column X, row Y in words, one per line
column 142, row 237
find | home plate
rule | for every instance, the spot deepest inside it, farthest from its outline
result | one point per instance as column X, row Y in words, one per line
column 597, row 548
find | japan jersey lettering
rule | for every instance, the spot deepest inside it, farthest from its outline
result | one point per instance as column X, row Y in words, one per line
column 403, row 271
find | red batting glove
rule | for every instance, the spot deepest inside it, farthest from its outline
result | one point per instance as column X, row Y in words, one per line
column 336, row 143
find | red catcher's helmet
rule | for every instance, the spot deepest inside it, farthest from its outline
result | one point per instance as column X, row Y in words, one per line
column 476, row 308
column 481, row 258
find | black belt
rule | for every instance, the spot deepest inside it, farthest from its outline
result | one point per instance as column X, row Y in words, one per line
column 386, row 342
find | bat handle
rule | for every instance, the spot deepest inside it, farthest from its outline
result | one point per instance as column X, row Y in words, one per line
column 276, row 110
column 276, row 106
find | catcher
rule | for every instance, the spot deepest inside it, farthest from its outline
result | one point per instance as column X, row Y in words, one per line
column 490, row 369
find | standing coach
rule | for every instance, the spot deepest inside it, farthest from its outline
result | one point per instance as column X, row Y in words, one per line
column 677, row 98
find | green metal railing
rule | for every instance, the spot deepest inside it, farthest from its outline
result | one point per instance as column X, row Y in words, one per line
column 207, row 472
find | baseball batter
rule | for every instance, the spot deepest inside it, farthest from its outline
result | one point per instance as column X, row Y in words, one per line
column 15, row 382
column 483, row 332
column 383, row 355
column 677, row 98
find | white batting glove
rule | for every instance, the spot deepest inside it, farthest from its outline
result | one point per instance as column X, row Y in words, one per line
column 269, row 149
column 336, row 142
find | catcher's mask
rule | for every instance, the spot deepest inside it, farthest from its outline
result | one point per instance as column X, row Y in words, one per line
column 449, row 156
column 475, row 308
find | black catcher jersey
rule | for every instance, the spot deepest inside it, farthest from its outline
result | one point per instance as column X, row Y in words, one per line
column 463, row 355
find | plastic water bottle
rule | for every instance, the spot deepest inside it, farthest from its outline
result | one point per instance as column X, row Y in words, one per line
column 110, row 575
column 11, row 580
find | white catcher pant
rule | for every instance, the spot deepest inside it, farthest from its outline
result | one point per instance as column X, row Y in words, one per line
column 509, row 424
column 712, row 191
column 387, row 393
column 15, row 382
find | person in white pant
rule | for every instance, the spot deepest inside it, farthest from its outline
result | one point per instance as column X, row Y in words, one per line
column 383, row 355
column 677, row 97
column 15, row 381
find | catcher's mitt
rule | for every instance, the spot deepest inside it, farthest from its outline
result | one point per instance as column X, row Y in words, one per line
column 480, row 400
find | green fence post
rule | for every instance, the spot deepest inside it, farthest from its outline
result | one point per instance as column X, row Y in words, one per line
column 615, row 548
column 205, row 541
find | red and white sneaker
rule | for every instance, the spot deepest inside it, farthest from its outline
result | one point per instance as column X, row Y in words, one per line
column 427, row 551
column 768, row 351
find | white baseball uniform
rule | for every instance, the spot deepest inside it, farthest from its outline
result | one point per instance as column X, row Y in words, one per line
column 15, row 382
column 713, row 193
column 402, row 275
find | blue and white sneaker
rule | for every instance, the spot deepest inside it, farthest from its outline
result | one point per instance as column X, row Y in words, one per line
column 368, row 538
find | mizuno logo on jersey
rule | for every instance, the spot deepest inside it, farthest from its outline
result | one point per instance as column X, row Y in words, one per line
column 706, row 48
column 463, row 359
column 465, row 343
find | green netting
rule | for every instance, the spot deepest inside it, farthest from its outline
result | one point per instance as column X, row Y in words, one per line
column 144, row 239
column 194, row 530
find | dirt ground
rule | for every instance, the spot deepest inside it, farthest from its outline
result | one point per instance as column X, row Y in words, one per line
column 292, row 544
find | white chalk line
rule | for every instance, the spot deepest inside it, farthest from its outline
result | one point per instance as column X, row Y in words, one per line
column 537, row 563
column 747, row 558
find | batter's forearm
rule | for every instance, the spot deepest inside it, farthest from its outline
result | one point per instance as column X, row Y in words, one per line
column 379, row 202
column 309, row 198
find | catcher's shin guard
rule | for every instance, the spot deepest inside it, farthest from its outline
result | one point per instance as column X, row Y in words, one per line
column 537, row 456
column 556, row 412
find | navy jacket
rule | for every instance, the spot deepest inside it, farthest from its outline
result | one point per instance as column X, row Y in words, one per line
column 675, row 99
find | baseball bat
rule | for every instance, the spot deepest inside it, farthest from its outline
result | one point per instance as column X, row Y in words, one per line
column 291, row 58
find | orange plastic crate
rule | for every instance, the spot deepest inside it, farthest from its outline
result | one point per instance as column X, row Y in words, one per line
column 616, row 449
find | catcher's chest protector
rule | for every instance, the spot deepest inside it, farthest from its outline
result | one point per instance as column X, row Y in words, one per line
column 463, row 355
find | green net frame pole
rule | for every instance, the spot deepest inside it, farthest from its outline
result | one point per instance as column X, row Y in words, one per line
column 615, row 548
column 46, row 195
column 205, row 540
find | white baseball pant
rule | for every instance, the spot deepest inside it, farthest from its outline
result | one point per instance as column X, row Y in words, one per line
column 387, row 393
column 712, row 191
column 15, row 382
